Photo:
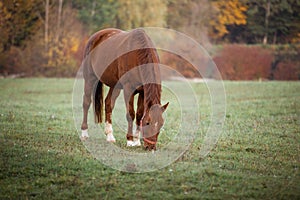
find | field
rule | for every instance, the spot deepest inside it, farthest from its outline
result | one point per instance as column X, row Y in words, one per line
column 256, row 157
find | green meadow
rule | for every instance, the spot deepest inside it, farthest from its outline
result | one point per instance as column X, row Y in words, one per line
column 257, row 155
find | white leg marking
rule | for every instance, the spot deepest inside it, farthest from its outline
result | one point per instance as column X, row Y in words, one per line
column 109, row 133
column 129, row 143
column 108, row 128
column 136, row 138
column 84, row 134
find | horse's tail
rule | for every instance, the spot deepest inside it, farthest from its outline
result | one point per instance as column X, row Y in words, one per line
column 98, row 102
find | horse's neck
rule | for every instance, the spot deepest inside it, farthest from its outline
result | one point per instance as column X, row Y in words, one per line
column 151, row 79
column 152, row 94
column 152, row 87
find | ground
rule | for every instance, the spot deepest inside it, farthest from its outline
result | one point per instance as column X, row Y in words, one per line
column 256, row 157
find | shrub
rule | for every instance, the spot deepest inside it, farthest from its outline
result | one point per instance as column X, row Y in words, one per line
column 287, row 71
column 177, row 63
column 240, row 62
column 286, row 65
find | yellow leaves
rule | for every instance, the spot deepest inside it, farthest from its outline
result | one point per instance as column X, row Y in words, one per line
column 61, row 53
column 4, row 13
column 3, row 9
column 296, row 39
column 231, row 12
column 228, row 13
column 74, row 42
column 61, row 56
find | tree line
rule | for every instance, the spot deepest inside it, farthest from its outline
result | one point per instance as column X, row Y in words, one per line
column 46, row 37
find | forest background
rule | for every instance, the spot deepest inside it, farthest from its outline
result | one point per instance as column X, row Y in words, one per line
column 247, row 39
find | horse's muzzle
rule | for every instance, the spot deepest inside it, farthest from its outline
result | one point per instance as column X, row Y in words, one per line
column 149, row 145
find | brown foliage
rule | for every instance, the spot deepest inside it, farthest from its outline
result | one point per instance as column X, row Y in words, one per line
column 287, row 71
column 178, row 65
column 286, row 65
column 240, row 62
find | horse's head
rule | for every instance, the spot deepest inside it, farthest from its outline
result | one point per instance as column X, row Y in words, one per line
column 151, row 125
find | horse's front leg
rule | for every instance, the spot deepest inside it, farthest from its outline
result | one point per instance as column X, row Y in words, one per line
column 139, row 116
column 130, row 115
column 109, row 106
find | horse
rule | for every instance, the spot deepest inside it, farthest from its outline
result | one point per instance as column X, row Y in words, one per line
column 124, row 60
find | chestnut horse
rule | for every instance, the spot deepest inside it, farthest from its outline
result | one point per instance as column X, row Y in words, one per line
column 128, row 61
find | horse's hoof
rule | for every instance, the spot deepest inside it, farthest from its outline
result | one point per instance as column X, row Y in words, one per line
column 136, row 143
column 129, row 143
column 84, row 138
column 110, row 138
column 84, row 135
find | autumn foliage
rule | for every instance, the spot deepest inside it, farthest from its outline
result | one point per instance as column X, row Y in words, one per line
column 228, row 12
column 239, row 62
column 47, row 37
column 242, row 62
column 60, row 54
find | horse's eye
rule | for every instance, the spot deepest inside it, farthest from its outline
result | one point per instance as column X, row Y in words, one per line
column 148, row 123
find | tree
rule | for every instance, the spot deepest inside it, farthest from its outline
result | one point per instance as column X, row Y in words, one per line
column 275, row 19
column 18, row 21
column 231, row 12
column 132, row 13
column 191, row 17
column 52, row 41
column 96, row 14
column 64, row 34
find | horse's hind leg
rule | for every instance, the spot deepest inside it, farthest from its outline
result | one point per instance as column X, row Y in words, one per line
column 88, row 86
column 109, row 106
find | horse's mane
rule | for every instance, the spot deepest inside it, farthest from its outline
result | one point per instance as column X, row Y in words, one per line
column 150, row 73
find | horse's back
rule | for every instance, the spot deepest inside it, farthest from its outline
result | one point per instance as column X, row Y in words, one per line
column 98, row 38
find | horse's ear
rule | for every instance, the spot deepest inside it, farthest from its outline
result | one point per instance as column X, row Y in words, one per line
column 164, row 107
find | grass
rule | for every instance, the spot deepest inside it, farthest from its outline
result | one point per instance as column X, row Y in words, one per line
column 257, row 156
